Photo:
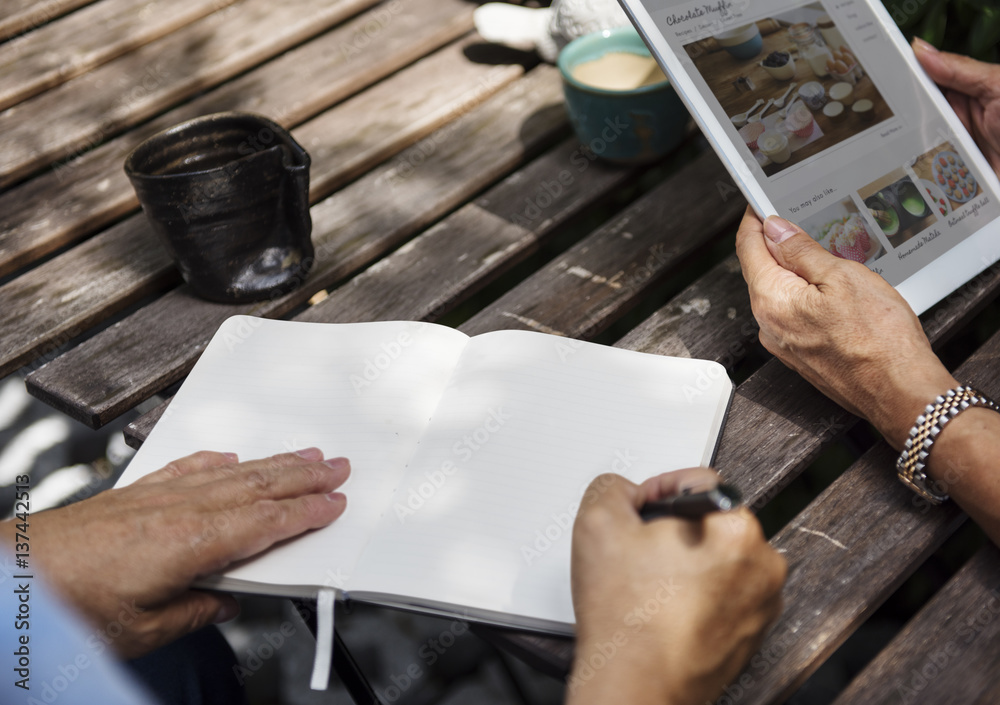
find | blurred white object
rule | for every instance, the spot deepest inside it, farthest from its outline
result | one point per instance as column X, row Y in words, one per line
column 20, row 454
column 62, row 484
column 549, row 29
column 14, row 400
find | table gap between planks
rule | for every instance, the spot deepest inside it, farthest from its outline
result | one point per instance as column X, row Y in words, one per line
column 432, row 180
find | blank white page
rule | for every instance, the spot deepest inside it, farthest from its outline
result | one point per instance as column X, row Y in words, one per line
column 526, row 422
column 364, row 391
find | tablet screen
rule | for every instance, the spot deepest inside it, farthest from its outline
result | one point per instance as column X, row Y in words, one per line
column 823, row 116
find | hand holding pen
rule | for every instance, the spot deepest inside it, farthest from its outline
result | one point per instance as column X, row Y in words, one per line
column 689, row 504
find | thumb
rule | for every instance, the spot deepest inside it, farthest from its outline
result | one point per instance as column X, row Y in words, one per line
column 794, row 250
column 615, row 495
column 193, row 610
column 959, row 73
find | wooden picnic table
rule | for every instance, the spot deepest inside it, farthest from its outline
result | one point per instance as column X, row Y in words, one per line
column 437, row 196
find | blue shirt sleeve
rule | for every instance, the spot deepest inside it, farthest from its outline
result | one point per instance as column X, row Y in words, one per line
column 50, row 655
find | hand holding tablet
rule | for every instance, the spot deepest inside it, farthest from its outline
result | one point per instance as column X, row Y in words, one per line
column 856, row 143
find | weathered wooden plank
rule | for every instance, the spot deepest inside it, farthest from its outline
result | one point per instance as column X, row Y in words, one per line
column 440, row 268
column 586, row 289
column 847, row 553
column 948, row 652
column 778, row 423
column 112, row 372
column 71, row 46
column 26, row 15
column 93, row 285
column 711, row 320
column 876, row 531
column 78, row 115
column 81, row 196
column 136, row 432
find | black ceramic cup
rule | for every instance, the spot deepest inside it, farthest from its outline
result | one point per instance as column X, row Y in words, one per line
column 228, row 194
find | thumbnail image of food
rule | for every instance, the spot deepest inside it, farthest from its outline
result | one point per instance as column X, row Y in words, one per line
column 842, row 230
column 947, row 180
column 791, row 85
column 898, row 206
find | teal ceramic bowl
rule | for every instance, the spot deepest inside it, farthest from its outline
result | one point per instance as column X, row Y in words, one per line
column 627, row 127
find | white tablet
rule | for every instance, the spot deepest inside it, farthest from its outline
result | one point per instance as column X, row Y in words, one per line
column 822, row 115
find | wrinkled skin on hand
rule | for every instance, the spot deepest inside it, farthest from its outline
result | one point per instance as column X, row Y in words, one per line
column 126, row 558
column 973, row 89
column 839, row 325
column 670, row 610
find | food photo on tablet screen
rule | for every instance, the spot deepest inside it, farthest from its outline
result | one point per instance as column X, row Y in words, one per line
column 803, row 67
column 842, row 230
column 896, row 203
column 822, row 115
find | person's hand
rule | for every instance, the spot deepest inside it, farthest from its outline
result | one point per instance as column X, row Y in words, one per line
column 126, row 558
column 668, row 611
column 839, row 325
column 973, row 89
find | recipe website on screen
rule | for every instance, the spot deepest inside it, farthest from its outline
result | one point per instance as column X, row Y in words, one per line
column 833, row 124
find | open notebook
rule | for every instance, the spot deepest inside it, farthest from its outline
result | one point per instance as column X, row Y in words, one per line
column 470, row 456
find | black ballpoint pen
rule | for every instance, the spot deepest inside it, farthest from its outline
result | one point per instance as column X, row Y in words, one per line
column 693, row 505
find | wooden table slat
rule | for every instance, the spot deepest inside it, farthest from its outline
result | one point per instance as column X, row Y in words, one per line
column 60, row 51
column 91, row 191
column 112, row 372
column 588, row 287
column 948, row 652
column 26, row 15
column 107, row 272
column 709, row 320
column 467, row 250
column 80, row 114
column 847, row 551
column 876, row 532
column 778, row 422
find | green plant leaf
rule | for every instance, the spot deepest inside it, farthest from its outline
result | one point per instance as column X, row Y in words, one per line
column 935, row 23
column 984, row 35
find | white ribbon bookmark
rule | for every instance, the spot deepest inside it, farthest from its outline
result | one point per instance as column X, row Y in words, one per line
column 325, row 601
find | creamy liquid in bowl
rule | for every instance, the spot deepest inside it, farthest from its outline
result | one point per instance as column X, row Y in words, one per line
column 619, row 71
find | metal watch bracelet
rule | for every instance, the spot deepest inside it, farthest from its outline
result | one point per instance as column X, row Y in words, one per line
column 912, row 463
